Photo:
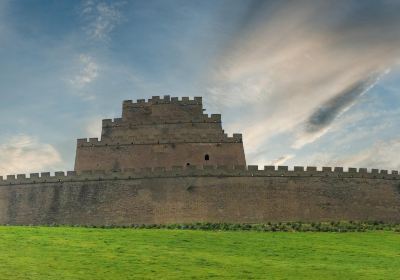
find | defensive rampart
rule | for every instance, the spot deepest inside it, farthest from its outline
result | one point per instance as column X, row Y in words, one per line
column 236, row 194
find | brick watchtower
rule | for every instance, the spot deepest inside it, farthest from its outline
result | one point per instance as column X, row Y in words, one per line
column 162, row 132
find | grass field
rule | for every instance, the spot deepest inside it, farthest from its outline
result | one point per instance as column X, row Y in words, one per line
column 89, row 253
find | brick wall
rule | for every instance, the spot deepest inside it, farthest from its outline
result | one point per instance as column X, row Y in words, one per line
column 206, row 195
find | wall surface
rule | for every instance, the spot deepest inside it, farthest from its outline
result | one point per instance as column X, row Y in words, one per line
column 200, row 195
column 116, row 157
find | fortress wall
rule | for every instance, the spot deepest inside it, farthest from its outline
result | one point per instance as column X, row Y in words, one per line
column 111, row 157
column 171, row 131
column 162, row 139
column 223, row 194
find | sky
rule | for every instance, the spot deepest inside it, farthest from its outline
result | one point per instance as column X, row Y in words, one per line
column 307, row 82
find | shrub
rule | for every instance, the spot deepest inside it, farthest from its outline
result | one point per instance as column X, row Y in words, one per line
column 332, row 226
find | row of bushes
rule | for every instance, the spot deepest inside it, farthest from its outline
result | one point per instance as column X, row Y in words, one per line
column 343, row 226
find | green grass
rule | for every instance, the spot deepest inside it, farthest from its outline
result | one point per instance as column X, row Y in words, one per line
column 90, row 253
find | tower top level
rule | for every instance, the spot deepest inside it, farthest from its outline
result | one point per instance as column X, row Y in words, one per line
column 157, row 109
column 160, row 110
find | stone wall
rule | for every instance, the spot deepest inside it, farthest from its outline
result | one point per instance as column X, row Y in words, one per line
column 115, row 157
column 209, row 194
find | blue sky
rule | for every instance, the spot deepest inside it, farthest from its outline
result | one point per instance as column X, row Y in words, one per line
column 306, row 82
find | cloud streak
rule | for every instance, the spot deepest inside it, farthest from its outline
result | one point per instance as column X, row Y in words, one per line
column 282, row 159
column 381, row 155
column 88, row 71
column 321, row 119
column 101, row 18
column 329, row 111
column 299, row 65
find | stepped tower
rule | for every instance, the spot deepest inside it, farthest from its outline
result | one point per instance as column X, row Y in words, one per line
column 166, row 162
column 162, row 132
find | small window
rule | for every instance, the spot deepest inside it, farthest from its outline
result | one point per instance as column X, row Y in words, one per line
column 187, row 164
column 207, row 157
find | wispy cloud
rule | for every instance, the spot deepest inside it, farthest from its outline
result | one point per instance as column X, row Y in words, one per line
column 382, row 154
column 88, row 72
column 282, row 159
column 301, row 64
column 101, row 18
column 24, row 154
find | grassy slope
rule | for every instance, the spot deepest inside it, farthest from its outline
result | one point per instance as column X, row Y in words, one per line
column 81, row 253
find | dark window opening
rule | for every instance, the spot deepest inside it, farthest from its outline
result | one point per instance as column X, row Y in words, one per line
column 187, row 164
column 207, row 157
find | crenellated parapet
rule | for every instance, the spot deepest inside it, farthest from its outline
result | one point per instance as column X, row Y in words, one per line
column 198, row 171
column 166, row 99
column 161, row 139
column 163, row 110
